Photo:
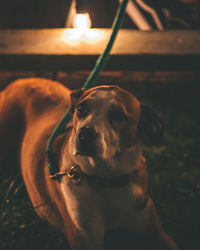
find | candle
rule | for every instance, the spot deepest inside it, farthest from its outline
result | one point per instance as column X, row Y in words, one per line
column 82, row 31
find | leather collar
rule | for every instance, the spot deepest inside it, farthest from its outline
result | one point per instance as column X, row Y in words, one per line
column 101, row 181
column 76, row 175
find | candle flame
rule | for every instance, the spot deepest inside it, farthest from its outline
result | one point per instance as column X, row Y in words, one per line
column 82, row 31
column 82, row 21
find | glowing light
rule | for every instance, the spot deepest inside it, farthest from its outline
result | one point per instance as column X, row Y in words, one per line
column 93, row 35
column 82, row 31
column 75, row 36
column 82, row 21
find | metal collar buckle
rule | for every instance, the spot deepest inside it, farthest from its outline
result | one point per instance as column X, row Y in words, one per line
column 75, row 174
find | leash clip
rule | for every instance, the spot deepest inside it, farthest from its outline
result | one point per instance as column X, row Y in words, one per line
column 75, row 174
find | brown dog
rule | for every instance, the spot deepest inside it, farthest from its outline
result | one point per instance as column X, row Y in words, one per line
column 103, row 185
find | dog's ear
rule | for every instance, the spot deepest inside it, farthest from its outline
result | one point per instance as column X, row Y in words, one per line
column 151, row 126
column 75, row 95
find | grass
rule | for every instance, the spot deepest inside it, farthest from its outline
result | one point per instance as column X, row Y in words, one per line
column 174, row 180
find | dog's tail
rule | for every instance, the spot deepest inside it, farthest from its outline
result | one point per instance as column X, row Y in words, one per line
column 21, row 100
column 11, row 120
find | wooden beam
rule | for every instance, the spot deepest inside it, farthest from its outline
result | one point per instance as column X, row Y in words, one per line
column 59, row 49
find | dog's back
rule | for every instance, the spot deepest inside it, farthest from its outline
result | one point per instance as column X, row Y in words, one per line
column 24, row 102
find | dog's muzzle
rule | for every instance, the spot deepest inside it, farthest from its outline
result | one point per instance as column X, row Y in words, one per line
column 86, row 141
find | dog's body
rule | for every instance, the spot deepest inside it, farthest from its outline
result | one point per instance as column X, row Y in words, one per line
column 102, row 141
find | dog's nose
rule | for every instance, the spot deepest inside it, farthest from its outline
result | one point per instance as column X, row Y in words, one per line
column 87, row 135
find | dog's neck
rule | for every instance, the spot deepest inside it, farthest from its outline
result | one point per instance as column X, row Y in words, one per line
column 123, row 162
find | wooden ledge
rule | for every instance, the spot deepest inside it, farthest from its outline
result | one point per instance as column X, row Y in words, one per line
column 61, row 49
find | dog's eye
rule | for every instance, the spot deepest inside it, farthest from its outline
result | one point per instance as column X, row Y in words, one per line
column 117, row 115
column 82, row 109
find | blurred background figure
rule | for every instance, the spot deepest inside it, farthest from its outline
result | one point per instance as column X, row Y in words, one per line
column 165, row 14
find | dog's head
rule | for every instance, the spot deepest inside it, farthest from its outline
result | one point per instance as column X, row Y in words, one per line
column 108, row 123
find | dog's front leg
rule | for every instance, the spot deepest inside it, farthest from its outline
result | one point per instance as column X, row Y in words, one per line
column 88, row 228
column 87, row 235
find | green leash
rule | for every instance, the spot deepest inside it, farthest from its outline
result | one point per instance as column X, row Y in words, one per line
column 100, row 64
